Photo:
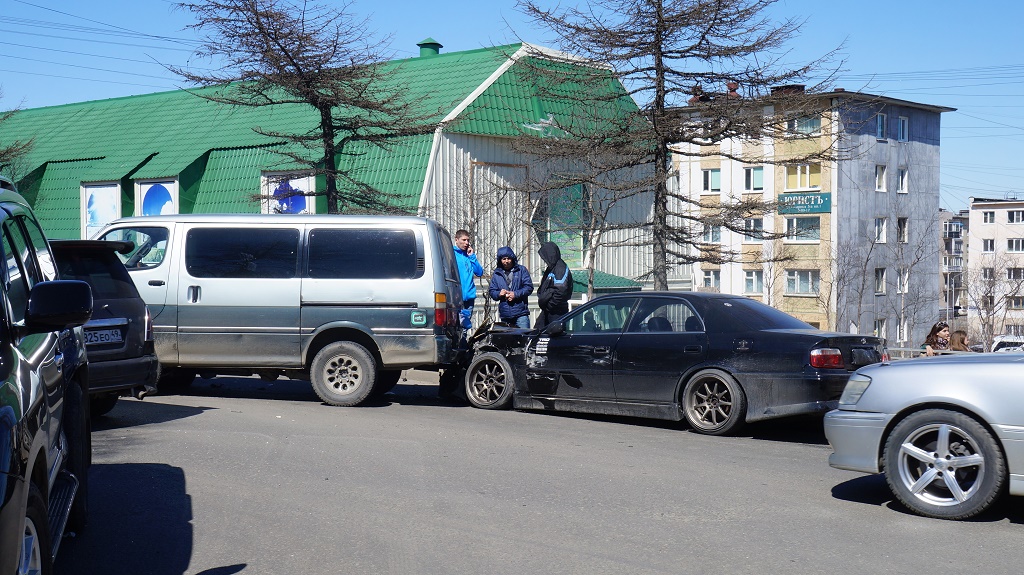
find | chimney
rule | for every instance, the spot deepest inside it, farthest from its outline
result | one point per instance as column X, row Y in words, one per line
column 429, row 47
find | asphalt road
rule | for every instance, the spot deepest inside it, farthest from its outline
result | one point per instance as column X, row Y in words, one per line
column 245, row 476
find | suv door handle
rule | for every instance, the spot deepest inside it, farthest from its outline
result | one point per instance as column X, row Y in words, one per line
column 156, row 282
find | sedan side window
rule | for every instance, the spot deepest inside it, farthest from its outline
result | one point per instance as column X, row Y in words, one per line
column 603, row 317
column 665, row 315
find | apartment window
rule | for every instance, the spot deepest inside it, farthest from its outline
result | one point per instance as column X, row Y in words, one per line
column 1013, row 329
column 880, row 227
column 712, row 279
column 988, row 273
column 903, row 280
column 712, row 180
column 880, row 126
column 903, row 132
column 803, row 177
column 988, row 246
column 1015, row 302
column 753, row 228
column 952, row 261
column 879, row 330
column 804, row 126
column 753, row 281
column 988, row 217
column 901, row 182
column 988, row 302
column 712, row 234
column 879, row 178
column 952, row 230
column 753, row 179
column 803, row 229
column 1015, row 245
column 879, row 280
column 800, row 282
column 1015, row 216
column 902, row 230
column 1015, row 273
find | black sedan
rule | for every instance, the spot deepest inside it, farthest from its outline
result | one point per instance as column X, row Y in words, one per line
column 717, row 360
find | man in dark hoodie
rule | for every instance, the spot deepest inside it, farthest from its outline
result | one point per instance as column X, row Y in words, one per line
column 510, row 286
column 555, row 286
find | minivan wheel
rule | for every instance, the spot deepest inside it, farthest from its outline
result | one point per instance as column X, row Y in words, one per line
column 343, row 373
column 34, row 554
column 102, row 404
column 944, row 464
column 174, row 379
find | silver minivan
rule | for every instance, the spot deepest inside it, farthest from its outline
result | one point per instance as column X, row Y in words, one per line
column 346, row 302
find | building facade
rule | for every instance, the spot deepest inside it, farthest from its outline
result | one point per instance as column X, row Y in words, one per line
column 994, row 282
column 854, row 245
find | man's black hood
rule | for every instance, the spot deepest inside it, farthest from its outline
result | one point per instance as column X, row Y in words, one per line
column 550, row 253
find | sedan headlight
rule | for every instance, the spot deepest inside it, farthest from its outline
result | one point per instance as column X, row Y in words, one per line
column 855, row 388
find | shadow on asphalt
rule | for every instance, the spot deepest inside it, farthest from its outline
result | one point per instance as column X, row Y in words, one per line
column 131, row 412
column 140, row 521
column 874, row 490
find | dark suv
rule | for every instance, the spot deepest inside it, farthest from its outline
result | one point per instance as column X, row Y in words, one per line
column 119, row 337
column 45, row 449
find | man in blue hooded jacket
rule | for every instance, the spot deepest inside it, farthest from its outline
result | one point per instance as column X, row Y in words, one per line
column 510, row 286
column 466, row 262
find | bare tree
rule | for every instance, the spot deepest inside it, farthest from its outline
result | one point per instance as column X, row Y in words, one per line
column 994, row 284
column 12, row 152
column 703, row 72
column 281, row 52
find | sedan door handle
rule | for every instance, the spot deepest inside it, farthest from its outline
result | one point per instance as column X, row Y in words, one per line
column 157, row 283
column 602, row 350
column 692, row 349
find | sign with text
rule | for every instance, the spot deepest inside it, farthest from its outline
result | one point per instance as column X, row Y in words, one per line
column 816, row 203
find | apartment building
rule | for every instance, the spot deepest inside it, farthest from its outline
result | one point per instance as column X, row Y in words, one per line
column 994, row 282
column 857, row 247
column 955, row 232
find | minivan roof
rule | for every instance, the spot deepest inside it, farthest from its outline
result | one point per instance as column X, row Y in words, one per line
column 274, row 219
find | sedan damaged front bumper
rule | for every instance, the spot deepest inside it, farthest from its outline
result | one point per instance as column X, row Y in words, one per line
column 856, row 439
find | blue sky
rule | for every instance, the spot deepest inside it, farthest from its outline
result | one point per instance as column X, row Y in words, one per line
column 936, row 52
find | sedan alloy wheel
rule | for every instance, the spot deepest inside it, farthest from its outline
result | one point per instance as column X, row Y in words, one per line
column 714, row 403
column 489, row 381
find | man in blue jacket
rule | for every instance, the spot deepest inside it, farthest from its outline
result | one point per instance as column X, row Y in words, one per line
column 466, row 262
column 510, row 286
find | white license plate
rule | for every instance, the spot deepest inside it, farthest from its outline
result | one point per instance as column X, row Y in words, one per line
column 103, row 336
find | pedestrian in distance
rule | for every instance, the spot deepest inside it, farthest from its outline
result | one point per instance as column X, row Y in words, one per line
column 937, row 340
column 555, row 288
column 958, row 341
column 469, row 267
column 510, row 287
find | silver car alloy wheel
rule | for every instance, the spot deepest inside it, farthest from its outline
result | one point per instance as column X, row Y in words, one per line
column 31, row 554
column 941, row 464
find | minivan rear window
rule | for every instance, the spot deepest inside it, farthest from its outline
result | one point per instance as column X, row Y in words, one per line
column 242, row 253
column 364, row 254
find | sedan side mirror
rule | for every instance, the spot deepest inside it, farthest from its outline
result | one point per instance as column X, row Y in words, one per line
column 555, row 328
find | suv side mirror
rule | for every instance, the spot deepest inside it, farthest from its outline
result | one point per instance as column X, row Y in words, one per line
column 57, row 305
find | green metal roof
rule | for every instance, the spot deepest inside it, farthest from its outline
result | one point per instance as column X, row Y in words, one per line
column 603, row 282
column 216, row 156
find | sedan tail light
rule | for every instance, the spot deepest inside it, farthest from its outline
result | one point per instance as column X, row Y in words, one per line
column 827, row 358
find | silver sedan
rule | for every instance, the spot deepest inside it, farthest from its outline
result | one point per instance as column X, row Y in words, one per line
column 947, row 431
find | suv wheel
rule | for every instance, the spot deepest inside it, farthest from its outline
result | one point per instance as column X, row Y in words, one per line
column 35, row 540
column 102, row 404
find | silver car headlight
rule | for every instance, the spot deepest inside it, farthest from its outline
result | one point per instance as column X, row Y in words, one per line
column 855, row 388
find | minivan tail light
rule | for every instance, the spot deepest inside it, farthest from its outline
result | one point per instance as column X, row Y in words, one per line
column 440, row 309
column 827, row 358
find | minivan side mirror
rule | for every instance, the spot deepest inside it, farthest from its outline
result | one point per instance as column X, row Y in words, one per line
column 555, row 328
column 57, row 305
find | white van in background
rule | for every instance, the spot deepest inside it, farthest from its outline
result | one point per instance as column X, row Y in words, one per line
column 347, row 302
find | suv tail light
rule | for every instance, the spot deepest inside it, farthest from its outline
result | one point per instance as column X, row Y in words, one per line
column 827, row 358
column 149, row 326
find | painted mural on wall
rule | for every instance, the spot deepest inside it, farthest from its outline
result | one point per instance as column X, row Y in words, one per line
column 287, row 194
column 156, row 198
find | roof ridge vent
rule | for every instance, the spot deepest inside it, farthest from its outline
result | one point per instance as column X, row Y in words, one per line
column 429, row 47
